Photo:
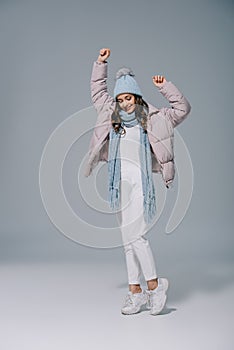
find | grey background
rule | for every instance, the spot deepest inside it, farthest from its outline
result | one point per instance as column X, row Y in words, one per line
column 47, row 52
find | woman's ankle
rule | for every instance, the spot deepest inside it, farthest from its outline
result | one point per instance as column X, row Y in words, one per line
column 135, row 288
column 152, row 284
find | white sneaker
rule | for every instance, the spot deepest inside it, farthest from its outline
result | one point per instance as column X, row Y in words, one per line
column 157, row 297
column 133, row 302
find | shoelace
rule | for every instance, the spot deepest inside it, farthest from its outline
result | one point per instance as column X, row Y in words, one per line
column 128, row 299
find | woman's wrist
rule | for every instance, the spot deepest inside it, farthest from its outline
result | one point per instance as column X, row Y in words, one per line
column 101, row 60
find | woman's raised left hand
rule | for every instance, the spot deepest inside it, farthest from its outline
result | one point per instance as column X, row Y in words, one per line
column 158, row 80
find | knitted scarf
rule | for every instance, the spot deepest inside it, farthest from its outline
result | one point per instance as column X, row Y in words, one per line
column 114, row 168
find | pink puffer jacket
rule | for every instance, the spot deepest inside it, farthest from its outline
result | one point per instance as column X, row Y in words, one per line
column 160, row 124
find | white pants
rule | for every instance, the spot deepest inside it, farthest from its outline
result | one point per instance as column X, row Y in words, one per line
column 139, row 257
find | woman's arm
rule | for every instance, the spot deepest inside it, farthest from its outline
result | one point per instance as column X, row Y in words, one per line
column 99, row 94
column 180, row 107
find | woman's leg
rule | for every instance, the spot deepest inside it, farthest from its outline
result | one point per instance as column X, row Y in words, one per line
column 145, row 257
column 128, row 234
column 139, row 258
column 138, row 253
column 132, row 224
column 133, row 269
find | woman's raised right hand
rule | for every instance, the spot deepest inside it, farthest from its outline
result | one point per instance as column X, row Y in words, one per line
column 103, row 54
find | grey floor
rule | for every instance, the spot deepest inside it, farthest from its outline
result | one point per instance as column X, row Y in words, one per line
column 77, row 306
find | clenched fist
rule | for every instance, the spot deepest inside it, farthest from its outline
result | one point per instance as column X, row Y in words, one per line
column 158, row 80
column 103, row 55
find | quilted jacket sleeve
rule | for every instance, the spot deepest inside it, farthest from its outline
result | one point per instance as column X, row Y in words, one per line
column 180, row 107
column 98, row 85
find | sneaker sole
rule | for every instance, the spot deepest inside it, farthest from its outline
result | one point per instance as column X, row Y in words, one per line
column 130, row 313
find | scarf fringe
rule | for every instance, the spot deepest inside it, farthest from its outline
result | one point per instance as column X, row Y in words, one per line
column 149, row 209
column 114, row 198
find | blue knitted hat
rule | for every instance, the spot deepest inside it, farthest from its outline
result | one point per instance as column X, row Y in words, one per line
column 125, row 83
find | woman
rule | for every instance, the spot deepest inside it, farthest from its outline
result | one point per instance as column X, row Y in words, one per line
column 136, row 139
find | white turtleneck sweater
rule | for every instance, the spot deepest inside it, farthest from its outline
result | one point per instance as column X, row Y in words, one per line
column 130, row 147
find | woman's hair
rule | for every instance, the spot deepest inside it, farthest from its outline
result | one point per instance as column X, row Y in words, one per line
column 141, row 111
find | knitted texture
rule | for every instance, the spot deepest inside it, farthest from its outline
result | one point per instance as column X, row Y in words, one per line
column 125, row 83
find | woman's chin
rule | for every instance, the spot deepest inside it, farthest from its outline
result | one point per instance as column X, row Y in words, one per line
column 131, row 110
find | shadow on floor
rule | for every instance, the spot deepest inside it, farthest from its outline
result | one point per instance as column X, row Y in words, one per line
column 188, row 277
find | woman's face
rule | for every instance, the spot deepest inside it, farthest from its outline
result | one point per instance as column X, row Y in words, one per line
column 127, row 102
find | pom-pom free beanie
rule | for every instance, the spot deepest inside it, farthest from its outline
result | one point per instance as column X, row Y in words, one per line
column 125, row 83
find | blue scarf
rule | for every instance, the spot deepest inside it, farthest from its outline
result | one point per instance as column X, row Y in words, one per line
column 114, row 168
